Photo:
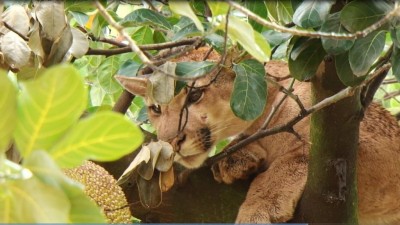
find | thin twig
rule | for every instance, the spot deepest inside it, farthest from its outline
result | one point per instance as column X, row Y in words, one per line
column 359, row 34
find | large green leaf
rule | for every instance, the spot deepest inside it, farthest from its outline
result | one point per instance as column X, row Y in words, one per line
column 83, row 209
column 105, row 136
column 259, row 8
column 143, row 35
column 275, row 38
column 252, row 42
column 280, row 11
column 335, row 46
column 31, row 201
column 193, row 69
column 395, row 32
column 305, row 64
column 344, row 71
column 47, row 107
column 8, row 110
column 129, row 68
column 312, row 13
column 183, row 8
column 185, row 28
column 359, row 14
column 106, row 71
column 396, row 63
column 146, row 17
column 249, row 94
column 365, row 51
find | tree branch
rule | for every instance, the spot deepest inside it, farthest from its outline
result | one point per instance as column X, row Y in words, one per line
column 359, row 34
column 288, row 127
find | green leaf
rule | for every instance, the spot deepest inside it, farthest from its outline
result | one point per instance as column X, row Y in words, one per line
column 218, row 7
column 335, row 46
column 249, row 94
column 396, row 62
column 105, row 136
column 275, row 38
column 106, row 71
column 146, row 17
column 189, row 29
column 359, row 14
column 280, row 11
column 257, row 7
column 395, row 32
column 31, row 201
column 193, row 69
column 305, row 65
column 183, row 8
column 81, row 18
column 312, row 13
column 47, row 107
column 344, row 71
column 251, row 41
column 8, row 110
column 216, row 41
column 365, row 51
column 129, row 68
column 143, row 35
column 83, row 209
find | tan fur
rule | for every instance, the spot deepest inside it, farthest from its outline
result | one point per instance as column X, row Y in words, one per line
column 274, row 193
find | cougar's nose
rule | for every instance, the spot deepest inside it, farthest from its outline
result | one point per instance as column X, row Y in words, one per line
column 178, row 141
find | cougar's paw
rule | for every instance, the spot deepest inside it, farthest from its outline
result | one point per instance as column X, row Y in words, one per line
column 236, row 166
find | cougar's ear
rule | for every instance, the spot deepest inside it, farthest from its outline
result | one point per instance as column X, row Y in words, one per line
column 135, row 85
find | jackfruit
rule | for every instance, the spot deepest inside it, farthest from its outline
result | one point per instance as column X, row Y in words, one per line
column 103, row 189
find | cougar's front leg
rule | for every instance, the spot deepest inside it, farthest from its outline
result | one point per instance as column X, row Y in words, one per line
column 273, row 195
column 239, row 165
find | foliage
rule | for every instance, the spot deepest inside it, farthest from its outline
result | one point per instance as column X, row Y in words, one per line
column 42, row 107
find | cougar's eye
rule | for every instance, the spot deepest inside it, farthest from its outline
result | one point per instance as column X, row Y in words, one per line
column 195, row 95
column 155, row 108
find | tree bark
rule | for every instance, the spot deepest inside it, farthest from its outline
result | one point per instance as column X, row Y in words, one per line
column 330, row 195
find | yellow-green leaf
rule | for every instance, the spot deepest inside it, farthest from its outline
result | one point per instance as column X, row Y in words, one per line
column 218, row 7
column 47, row 107
column 105, row 136
column 183, row 8
column 8, row 110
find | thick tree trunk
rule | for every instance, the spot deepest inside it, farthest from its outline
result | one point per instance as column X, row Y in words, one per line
column 330, row 194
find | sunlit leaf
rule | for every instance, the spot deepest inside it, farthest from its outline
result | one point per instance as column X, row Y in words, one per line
column 31, row 201
column 183, row 8
column 8, row 110
column 193, row 69
column 344, row 71
column 143, row 35
column 359, row 14
column 280, row 11
column 365, row 51
column 250, row 90
column 106, row 71
column 146, row 17
column 305, row 65
column 236, row 29
column 218, row 7
column 335, row 46
column 47, row 107
column 312, row 13
column 104, row 136
column 83, row 209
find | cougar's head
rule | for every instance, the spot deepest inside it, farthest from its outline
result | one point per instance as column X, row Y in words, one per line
column 207, row 118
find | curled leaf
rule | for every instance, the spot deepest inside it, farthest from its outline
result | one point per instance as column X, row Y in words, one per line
column 149, row 191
